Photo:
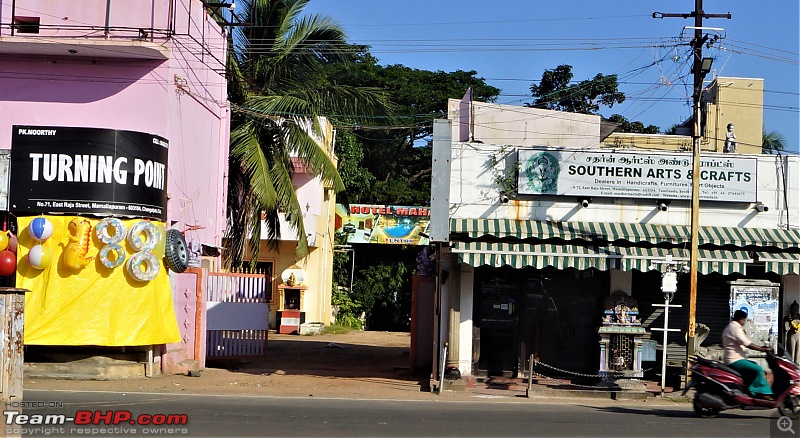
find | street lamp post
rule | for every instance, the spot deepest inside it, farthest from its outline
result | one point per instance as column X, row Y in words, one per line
column 669, row 285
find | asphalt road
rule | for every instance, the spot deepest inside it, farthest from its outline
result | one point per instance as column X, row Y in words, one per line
column 235, row 416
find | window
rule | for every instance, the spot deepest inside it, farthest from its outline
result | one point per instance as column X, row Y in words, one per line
column 26, row 24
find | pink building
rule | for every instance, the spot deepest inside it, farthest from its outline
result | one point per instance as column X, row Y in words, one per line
column 154, row 67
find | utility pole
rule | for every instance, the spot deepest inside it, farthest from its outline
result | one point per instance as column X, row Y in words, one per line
column 699, row 73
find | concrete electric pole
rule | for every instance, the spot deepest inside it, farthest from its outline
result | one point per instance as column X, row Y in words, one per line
column 700, row 68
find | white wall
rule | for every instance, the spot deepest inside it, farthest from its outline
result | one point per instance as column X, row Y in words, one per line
column 507, row 124
column 474, row 194
column 465, row 323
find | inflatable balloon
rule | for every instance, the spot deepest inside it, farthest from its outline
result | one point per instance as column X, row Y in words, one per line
column 40, row 229
column 40, row 256
column 80, row 236
column 143, row 266
column 110, row 230
column 160, row 248
column 4, row 236
column 8, row 263
column 144, row 236
column 12, row 242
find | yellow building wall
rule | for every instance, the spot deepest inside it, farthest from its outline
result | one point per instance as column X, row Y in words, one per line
column 726, row 100
column 660, row 142
column 739, row 101
column 316, row 302
column 317, row 265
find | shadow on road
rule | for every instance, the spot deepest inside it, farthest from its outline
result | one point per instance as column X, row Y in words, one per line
column 669, row 412
column 332, row 357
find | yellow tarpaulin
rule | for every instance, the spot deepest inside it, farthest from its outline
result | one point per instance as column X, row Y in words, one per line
column 95, row 305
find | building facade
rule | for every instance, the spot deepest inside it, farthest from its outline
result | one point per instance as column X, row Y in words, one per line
column 536, row 237
column 310, row 296
column 125, row 67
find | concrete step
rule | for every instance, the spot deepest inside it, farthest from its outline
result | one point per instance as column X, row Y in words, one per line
column 176, row 361
column 45, row 354
column 85, row 370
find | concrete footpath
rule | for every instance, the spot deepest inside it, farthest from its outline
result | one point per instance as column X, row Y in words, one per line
column 358, row 365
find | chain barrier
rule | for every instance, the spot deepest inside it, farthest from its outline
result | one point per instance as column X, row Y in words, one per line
column 610, row 374
column 565, row 382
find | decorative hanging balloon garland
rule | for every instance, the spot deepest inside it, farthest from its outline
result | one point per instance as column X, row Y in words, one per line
column 40, row 255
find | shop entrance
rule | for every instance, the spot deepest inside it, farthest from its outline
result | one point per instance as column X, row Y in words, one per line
column 497, row 321
column 552, row 314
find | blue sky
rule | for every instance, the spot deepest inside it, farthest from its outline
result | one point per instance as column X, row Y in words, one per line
column 511, row 42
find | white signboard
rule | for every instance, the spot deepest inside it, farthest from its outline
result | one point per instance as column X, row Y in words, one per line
column 761, row 305
column 635, row 175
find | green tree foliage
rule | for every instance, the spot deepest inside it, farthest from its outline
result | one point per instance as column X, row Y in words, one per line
column 772, row 142
column 379, row 291
column 389, row 162
column 556, row 92
column 673, row 129
column 276, row 71
column 381, row 285
column 348, row 309
column 626, row 125
column 399, row 156
column 358, row 180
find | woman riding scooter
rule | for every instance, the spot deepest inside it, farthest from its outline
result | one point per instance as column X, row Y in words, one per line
column 734, row 342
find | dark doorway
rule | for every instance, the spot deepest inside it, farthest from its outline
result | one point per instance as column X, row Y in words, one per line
column 551, row 314
column 496, row 316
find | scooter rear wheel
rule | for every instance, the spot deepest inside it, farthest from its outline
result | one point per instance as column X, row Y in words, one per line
column 790, row 407
column 704, row 411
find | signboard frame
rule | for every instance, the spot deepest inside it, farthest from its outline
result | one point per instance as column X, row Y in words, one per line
column 761, row 302
column 653, row 175
column 95, row 171
column 384, row 224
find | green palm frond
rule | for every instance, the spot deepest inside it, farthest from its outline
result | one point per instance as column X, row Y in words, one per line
column 315, row 157
column 317, row 39
column 246, row 148
column 277, row 82
column 284, row 106
column 772, row 142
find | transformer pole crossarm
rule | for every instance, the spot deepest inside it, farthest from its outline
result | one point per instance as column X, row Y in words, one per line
column 690, row 15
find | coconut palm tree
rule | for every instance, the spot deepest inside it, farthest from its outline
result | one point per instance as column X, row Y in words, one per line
column 772, row 142
column 278, row 91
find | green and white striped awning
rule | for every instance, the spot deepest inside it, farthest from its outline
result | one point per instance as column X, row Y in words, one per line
column 780, row 263
column 630, row 232
column 519, row 255
column 720, row 261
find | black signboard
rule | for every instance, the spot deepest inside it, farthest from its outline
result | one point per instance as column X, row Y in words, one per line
column 88, row 170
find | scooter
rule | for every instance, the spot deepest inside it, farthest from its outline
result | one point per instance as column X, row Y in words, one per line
column 719, row 387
